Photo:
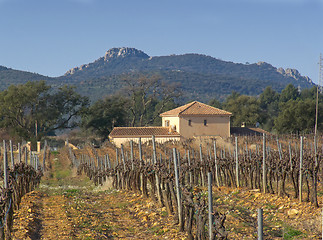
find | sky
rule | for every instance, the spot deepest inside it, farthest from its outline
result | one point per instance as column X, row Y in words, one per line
column 50, row 37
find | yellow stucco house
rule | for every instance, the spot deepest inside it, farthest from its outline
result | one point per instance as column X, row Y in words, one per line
column 193, row 120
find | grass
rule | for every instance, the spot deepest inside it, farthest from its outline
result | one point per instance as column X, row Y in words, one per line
column 55, row 153
column 164, row 214
column 71, row 192
column 291, row 233
column 62, row 180
column 271, row 206
column 157, row 230
column 122, row 205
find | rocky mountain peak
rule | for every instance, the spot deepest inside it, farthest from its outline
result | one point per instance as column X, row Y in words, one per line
column 289, row 72
column 123, row 52
column 111, row 54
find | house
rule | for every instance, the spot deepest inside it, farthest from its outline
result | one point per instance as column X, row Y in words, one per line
column 193, row 120
column 198, row 120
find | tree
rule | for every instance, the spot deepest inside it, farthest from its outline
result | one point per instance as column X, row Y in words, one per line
column 215, row 103
column 104, row 115
column 268, row 97
column 244, row 109
column 310, row 93
column 288, row 93
column 148, row 97
column 269, row 105
column 297, row 115
column 33, row 110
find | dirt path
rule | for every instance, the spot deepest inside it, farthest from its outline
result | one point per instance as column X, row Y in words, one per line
column 92, row 215
column 54, row 219
column 40, row 216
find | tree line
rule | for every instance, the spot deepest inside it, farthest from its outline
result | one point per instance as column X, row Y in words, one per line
column 34, row 110
column 291, row 111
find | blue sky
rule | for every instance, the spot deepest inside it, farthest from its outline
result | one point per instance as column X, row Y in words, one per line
column 50, row 37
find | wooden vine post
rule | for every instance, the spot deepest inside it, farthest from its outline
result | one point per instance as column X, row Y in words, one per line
column 264, row 163
column 201, row 158
column 300, row 169
column 123, row 159
column 290, row 157
column 142, row 187
column 315, row 172
column 178, row 191
column 5, row 166
column 30, row 159
column 44, row 156
column 189, row 164
column 209, row 177
column 159, row 194
column 26, row 156
column 140, row 152
column 216, row 165
column 108, row 161
column 237, row 162
column 118, row 172
column 260, row 224
column 19, row 153
column 5, row 186
column 131, row 155
column 11, row 155
column 124, row 182
column 36, row 162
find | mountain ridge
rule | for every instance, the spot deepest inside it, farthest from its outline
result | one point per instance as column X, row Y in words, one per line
column 201, row 77
column 123, row 52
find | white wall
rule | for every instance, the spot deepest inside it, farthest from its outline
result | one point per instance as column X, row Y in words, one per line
column 173, row 121
column 119, row 141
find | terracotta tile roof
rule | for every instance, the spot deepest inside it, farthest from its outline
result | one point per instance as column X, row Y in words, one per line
column 142, row 132
column 195, row 108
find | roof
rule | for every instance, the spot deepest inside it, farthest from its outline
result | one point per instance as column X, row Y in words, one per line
column 143, row 132
column 195, row 108
column 245, row 131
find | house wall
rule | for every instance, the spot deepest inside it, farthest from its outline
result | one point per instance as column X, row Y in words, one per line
column 216, row 126
column 173, row 121
column 118, row 141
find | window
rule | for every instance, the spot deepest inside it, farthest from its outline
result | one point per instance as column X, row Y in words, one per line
column 205, row 122
column 189, row 122
column 166, row 123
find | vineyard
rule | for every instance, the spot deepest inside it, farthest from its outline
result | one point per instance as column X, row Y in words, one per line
column 21, row 177
column 183, row 178
column 177, row 178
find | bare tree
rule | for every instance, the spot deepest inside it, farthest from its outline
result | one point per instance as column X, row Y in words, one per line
column 144, row 93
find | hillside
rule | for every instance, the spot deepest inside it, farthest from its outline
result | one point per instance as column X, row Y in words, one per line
column 201, row 77
column 10, row 76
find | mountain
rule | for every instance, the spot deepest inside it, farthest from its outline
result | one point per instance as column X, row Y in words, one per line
column 201, row 77
column 10, row 76
column 115, row 61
